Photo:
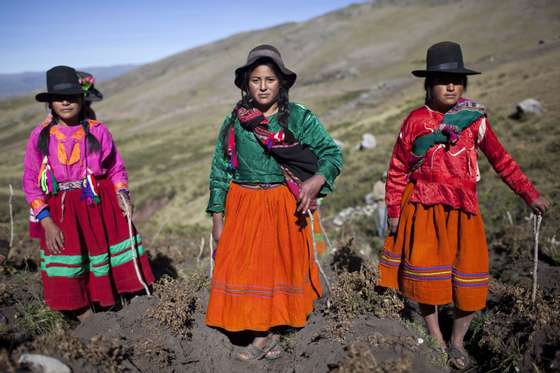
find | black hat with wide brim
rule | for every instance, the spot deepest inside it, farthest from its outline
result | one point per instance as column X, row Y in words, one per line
column 262, row 53
column 444, row 57
column 61, row 81
column 92, row 94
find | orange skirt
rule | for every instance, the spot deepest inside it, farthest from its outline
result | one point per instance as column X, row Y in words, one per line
column 265, row 273
column 439, row 255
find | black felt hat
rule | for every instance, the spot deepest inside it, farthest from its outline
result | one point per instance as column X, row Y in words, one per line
column 264, row 52
column 87, row 81
column 444, row 57
column 61, row 81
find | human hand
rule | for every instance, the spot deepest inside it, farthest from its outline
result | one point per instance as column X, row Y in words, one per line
column 217, row 226
column 540, row 205
column 393, row 224
column 125, row 202
column 308, row 191
column 53, row 236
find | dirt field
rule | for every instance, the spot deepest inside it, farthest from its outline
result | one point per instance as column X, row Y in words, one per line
column 358, row 328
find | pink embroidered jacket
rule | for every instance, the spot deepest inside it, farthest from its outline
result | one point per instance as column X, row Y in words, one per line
column 449, row 174
column 67, row 147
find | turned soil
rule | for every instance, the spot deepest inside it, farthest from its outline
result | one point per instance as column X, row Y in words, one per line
column 358, row 328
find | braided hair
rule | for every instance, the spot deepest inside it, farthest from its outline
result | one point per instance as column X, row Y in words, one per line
column 44, row 135
column 247, row 101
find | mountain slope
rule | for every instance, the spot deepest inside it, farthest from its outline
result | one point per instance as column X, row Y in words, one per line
column 354, row 71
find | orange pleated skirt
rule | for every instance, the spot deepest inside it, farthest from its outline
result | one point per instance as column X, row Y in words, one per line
column 265, row 274
column 439, row 255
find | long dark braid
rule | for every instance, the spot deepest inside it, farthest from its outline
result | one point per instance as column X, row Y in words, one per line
column 92, row 143
column 246, row 102
column 283, row 102
column 284, row 113
column 44, row 135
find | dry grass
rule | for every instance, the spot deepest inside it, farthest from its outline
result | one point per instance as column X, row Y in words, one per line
column 515, row 334
column 6, row 364
column 107, row 353
column 354, row 293
column 37, row 319
column 179, row 301
column 5, row 293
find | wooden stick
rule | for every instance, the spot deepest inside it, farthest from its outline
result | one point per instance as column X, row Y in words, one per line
column 329, row 244
column 537, row 219
column 11, row 218
column 133, row 244
column 314, row 243
column 201, row 251
column 211, row 245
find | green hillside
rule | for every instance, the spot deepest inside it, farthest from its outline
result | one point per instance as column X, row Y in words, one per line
column 354, row 72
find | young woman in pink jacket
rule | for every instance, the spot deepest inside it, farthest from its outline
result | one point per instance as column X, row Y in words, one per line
column 77, row 187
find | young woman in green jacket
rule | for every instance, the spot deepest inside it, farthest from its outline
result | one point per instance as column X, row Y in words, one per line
column 273, row 158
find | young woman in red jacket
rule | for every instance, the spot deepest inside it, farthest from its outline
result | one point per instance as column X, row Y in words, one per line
column 437, row 252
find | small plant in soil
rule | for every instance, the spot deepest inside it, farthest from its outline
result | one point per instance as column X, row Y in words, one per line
column 107, row 353
column 178, row 302
column 516, row 335
column 355, row 293
column 37, row 319
column 418, row 328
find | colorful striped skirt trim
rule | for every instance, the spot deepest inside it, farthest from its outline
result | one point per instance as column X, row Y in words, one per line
column 438, row 256
column 96, row 263
column 265, row 274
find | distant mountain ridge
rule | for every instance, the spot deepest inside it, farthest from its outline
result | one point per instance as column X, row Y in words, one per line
column 20, row 84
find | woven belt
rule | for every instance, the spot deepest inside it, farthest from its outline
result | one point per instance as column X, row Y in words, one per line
column 261, row 185
column 69, row 185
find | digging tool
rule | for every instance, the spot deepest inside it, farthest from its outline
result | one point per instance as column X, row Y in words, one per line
column 312, row 222
column 329, row 244
column 536, row 220
column 133, row 243
column 211, row 240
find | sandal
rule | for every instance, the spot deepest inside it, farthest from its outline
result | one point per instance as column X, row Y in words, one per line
column 252, row 352
column 274, row 353
column 458, row 359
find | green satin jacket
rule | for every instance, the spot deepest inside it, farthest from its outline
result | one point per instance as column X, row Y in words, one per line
column 256, row 166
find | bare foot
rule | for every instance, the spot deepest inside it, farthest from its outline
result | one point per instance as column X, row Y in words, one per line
column 441, row 344
column 84, row 315
column 274, row 353
column 459, row 357
column 260, row 348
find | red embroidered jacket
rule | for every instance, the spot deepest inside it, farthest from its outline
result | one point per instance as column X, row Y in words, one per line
column 449, row 174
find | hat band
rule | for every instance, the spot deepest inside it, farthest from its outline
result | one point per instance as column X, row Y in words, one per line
column 445, row 66
column 64, row 86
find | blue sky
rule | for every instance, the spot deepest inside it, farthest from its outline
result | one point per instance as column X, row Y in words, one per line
column 36, row 35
